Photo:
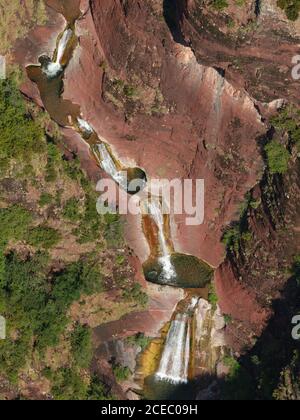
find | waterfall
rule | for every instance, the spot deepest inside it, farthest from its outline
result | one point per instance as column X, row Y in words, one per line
column 109, row 166
column 155, row 210
column 174, row 364
column 175, row 359
column 53, row 68
column 85, row 126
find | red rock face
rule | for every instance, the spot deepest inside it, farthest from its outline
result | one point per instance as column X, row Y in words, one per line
column 180, row 119
column 253, row 44
column 210, row 131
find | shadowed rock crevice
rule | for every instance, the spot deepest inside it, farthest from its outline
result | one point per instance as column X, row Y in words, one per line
column 173, row 13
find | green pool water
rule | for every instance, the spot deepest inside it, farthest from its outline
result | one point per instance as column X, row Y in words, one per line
column 191, row 272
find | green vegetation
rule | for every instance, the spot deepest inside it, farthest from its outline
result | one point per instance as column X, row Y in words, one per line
column 278, row 157
column 36, row 309
column 213, row 297
column 219, row 4
column 231, row 238
column 45, row 199
column 98, row 391
column 288, row 121
column 43, row 237
column 37, row 289
column 54, row 158
column 72, row 210
column 81, row 342
column 14, row 222
column 139, row 340
column 291, row 8
column 20, row 136
column 136, row 294
column 123, row 89
column 68, row 385
column 16, row 21
column 122, row 373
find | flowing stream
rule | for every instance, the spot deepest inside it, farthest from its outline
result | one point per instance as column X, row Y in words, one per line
column 175, row 359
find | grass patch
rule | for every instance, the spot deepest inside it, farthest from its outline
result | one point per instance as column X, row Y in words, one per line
column 71, row 210
column 43, row 237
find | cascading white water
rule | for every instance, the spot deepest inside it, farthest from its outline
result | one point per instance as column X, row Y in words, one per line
column 174, row 364
column 109, row 166
column 155, row 211
column 53, row 68
column 175, row 359
column 85, row 126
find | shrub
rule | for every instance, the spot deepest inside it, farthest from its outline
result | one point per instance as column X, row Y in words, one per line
column 278, row 157
column 20, row 135
column 43, row 237
column 139, row 340
column 14, row 222
column 71, row 210
column 45, row 199
column 213, row 297
column 219, row 4
column 81, row 342
column 231, row 238
column 122, row 373
column 68, row 385
column 136, row 294
column 98, row 391
column 291, row 8
column 53, row 161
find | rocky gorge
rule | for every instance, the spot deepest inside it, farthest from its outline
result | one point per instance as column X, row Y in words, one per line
column 175, row 91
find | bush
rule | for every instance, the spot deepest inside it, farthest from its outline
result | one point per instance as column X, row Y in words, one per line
column 122, row 373
column 43, row 237
column 53, row 161
column 68, row 385
column 20, row 135
column 291, row 8
column 219, row 4
column 14, row 222
column 278, row 157
column 213, row 297
column 71, row 210
column 231, row 238
column 81, row 343
column 45, row 199
column 98, row 391
column 139, row 340
column 136, row 294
